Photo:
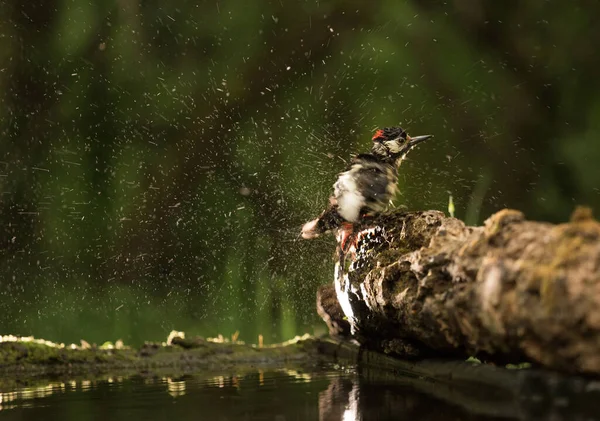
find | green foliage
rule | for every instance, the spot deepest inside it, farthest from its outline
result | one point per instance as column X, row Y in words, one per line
column 159, row 159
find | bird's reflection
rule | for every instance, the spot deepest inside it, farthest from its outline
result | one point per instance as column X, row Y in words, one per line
column 354, row 399
column 339, row 401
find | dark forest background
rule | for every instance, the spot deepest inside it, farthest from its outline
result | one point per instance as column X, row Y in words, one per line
column 159, row 158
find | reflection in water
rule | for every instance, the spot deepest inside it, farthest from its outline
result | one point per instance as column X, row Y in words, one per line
column 340, row 400
column 176, row 387
column 300, row 395
column 20, row 397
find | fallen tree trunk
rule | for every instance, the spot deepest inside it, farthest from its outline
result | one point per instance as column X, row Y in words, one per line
column 423, row 285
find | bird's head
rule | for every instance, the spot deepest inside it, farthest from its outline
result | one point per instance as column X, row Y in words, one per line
column 394, row 142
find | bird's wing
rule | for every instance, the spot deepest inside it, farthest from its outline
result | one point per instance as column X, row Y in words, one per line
column 374, row 184
column 362, row 185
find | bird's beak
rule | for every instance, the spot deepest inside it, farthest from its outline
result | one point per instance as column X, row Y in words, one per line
column 414, row 141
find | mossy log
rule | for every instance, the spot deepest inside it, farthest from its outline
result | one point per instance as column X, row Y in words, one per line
column 421, row 285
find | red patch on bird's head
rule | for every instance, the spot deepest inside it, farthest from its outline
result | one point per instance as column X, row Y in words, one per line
column 377, row 135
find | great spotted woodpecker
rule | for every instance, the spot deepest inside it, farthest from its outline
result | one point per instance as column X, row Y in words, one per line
column 366, row 187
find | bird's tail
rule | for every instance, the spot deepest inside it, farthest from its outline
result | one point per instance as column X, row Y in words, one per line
column 329, row 220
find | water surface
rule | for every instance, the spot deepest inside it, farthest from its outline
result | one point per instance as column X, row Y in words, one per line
column 340, row 394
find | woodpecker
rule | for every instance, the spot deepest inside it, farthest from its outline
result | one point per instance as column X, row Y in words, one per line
column 366, row 187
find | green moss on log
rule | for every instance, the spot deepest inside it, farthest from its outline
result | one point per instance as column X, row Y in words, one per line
column 18, row 356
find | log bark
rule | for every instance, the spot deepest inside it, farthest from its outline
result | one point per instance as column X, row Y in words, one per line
column 421, row 285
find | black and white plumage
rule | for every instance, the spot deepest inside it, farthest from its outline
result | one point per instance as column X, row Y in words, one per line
column 367, row 186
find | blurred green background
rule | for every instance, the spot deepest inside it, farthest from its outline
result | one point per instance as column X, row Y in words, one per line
column 159, row 158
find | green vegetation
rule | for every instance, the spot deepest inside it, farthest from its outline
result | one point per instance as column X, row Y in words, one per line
column 158, row 159
column 29, row 357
